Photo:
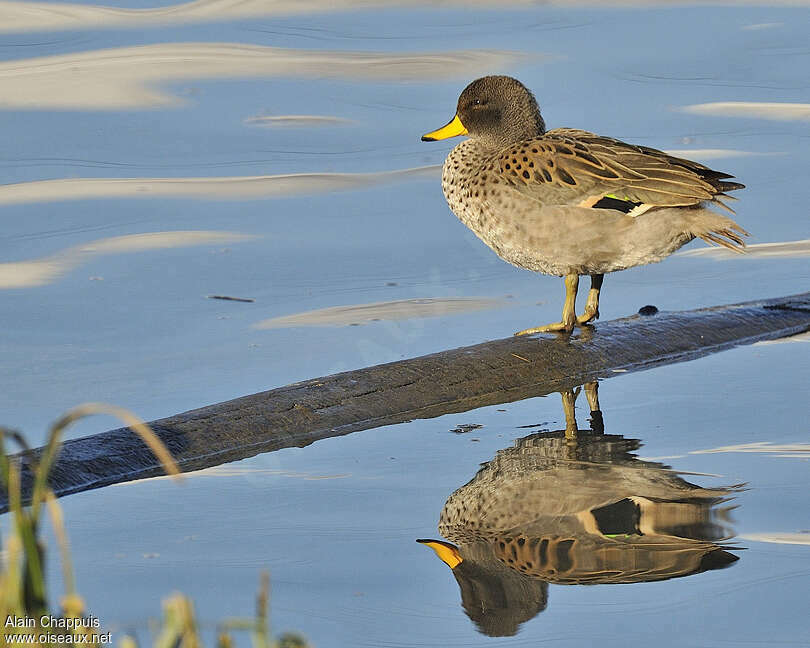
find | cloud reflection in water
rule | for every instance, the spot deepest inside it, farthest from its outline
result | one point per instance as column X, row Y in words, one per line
column 388, row 311
column 46, row 270
column 128, row 77
column 211, row 188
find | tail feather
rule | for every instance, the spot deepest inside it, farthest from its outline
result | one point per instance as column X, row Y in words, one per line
column 723, row 205
column 726, row 196
column 716, row 229
column 724, row 185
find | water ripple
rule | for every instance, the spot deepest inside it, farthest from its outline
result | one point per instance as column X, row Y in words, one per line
column 46, row 270
column 212, row 188
column 127, row 77
column 390, row 311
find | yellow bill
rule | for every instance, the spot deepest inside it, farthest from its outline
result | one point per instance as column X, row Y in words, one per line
column 455, row 127
column 447, row 552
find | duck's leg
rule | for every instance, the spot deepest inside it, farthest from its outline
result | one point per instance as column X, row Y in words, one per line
column 569, row 316
column 592, row 305
column 592, row 393
column 569, row 399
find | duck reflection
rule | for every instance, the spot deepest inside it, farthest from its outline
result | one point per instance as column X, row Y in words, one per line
column 574, row 507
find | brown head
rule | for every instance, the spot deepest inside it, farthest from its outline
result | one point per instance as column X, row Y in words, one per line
column 496, row 111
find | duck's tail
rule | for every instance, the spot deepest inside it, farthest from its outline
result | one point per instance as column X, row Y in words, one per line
column 717, row 229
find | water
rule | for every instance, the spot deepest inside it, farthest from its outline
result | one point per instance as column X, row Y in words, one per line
column 128, row 320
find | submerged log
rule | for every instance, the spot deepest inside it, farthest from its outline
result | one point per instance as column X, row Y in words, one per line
column 500, row 371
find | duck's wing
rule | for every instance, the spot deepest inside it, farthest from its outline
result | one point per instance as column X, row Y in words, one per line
column 574, row 167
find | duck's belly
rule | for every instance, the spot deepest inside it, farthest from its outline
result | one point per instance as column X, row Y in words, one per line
column 559, row 239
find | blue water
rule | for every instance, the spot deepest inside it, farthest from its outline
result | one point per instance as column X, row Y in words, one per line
column 136, row 329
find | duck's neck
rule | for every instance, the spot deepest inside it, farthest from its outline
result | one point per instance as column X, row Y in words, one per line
column 527, row 119
column 519, row 123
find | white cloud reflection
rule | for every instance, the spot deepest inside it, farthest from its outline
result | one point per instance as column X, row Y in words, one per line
column 295, row 121
column 129, row 77
column 46, row 270
column 792, row 339
column 19, row 16
column 213, row 188
column 229, row 471
column 784, row 249
column 402, row 309
column 773, row 111
column 714, row 154
column 798, row 450
column 761, row 26
column 778, row 538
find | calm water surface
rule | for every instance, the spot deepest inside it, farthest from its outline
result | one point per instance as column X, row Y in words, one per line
column 103, row 300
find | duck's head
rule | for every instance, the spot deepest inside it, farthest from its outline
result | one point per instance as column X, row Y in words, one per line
column 496, row 111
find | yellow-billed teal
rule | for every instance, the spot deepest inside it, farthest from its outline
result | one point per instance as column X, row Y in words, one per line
column 567, row 202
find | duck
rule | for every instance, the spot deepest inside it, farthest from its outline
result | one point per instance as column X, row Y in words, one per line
column 568, row 202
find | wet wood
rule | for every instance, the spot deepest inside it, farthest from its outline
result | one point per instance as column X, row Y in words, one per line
column 500, row 371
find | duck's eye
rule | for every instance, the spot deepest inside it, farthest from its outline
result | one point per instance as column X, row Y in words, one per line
column 477, row 102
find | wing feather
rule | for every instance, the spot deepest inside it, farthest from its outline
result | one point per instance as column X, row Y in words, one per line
column 570, row 166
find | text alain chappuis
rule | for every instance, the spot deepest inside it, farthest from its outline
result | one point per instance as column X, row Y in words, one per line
column 52, row 629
